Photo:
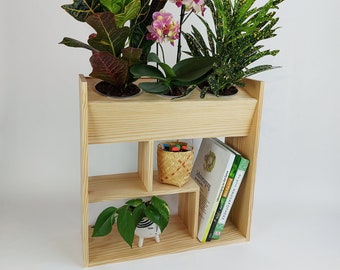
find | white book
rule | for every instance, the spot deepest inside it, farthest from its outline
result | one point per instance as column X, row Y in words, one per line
column 210, row 171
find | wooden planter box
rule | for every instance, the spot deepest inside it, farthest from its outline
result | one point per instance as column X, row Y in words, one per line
column 145, row 119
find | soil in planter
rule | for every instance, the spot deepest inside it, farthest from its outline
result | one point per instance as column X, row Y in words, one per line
column 225, row 92
column 109, row 90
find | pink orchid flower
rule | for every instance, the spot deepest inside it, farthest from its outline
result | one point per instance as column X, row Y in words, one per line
column 195, row 5
column 163, row 28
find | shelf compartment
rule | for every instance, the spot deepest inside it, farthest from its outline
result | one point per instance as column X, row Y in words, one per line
column 149, row 117
column 174, row 239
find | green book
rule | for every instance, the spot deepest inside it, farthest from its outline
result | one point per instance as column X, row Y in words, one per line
column 223, row 199
column 227, row 202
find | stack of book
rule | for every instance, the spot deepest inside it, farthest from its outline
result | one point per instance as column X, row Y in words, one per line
column 218, row 170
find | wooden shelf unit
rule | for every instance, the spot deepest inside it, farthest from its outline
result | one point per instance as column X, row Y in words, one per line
column 146, row 119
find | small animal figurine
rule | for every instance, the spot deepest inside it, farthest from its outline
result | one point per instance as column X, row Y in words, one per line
column 147, row 229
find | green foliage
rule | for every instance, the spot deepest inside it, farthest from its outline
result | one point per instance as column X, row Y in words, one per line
column 112, row 57
column 104, row 222
column 187, row 72
column 109, row 68
column 109, row 37
column 124, row 10
column 82, row 9
column 138, row 25
column 158, row 212
column 238, row 28
column 129, row 215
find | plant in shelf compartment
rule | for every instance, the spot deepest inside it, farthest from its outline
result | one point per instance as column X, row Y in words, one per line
column 185, row 74
column 130, row 219
column 238, row 28
column 115, row 46
column 125, row 33
column 182, row 78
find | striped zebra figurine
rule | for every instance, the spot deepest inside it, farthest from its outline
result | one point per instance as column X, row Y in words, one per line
column 147, row 229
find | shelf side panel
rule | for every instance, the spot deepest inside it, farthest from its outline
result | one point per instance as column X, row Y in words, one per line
column 241, row 213
column 84, row 165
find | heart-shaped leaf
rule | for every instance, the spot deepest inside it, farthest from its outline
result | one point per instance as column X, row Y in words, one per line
column 161, row 206
column 105, row 220
column 126, row 224
column 154, row 215
column 134, row 202
column 82, row 9
column 109, row 68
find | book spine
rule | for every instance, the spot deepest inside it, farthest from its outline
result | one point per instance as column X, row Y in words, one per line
column 204, row 233
column 230, row 198
column 224, row 196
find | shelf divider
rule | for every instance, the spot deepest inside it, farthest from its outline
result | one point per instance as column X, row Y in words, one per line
column 145, row 163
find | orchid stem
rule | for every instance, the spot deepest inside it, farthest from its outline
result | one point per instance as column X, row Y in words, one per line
column 179, row 47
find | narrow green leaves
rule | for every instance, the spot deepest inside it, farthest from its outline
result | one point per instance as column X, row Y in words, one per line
column 238, row 29
column 70, row 42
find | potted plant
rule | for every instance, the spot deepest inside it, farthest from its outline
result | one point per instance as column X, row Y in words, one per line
column 185, row 74
column 178, row 80
column 130, row 215
column 125, row 32
column 234, row 42
column 111, row 58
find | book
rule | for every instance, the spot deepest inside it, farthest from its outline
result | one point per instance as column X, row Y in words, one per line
column 210, row 171
column 227, row 201
column 224, row 196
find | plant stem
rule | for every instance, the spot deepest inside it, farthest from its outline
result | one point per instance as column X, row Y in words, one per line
column 163, row 55
column 181, row 21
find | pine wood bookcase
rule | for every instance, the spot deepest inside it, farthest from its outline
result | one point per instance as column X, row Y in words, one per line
column 146, row 119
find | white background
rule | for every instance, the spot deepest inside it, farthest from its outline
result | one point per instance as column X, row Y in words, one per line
column 296, row 217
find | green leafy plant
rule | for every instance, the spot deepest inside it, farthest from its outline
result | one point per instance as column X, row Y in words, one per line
column 238, row 28
column 111, row 56
column 186, row 73
column 129, row 215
